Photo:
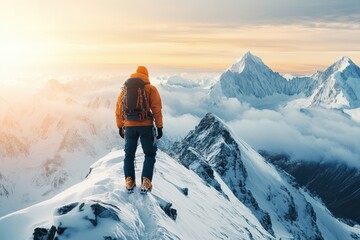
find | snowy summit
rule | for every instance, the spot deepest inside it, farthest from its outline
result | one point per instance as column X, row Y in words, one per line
column 339, row 86
column 247, row 60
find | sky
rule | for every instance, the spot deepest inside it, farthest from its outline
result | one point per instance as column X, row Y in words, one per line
column 77, row 37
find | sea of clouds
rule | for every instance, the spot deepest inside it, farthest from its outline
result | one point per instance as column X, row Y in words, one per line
column 305, row 134
column 308, row 134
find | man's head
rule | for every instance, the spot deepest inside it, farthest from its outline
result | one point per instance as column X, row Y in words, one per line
column 142, row 70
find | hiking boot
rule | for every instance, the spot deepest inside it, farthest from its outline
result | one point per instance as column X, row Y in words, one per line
column 146, row 185
column 130, row 184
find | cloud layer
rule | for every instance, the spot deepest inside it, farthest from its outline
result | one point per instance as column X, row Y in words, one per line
column 303, row 134
column 310, row 135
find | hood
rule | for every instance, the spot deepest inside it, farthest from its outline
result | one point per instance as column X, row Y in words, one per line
column 142, row 73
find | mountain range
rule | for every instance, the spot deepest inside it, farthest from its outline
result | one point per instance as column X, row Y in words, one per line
column 218, row 188
column 338, row 87
column 250, row 80
column 49, row 141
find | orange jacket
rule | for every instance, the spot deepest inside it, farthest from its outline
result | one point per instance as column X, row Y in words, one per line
column 154, row 102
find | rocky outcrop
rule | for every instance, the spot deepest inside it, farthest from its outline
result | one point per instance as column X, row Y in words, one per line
column 210, row 147
column 212, row 151
column 92, row 211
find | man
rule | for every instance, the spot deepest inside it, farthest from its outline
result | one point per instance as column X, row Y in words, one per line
column 137, row 107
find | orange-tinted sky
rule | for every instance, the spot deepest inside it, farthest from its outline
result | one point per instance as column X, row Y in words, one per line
column 70, row 37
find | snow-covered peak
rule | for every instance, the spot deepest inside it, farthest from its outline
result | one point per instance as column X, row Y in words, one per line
column 288, row 76
column 339, row 85
column 54, row 90
column 247, row 60
column 224, row 161
column 54, row 85
column 343, row 63
column 250, row 80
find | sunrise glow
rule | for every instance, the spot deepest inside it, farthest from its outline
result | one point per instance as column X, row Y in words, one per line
column 74, row 37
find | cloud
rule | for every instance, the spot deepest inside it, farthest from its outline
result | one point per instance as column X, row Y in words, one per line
column 304, row 134
column 179, row 126
column 250, row 12
column 310, row 135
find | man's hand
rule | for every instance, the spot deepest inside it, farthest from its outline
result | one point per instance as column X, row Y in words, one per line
column 159, row 133
column 121, row 132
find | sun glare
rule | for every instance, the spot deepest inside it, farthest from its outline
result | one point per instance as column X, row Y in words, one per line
column 18, row 53
column 17, row 50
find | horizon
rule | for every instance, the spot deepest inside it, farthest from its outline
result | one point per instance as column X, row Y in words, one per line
column 40, row 80
column 194, row 37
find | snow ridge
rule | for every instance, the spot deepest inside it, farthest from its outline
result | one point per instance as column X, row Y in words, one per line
column 100, row 208
column 273, row 198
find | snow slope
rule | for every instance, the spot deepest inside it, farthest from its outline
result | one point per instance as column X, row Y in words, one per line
column 232, row 194
column 203, row 214
column 216, row 155
column 337, row 184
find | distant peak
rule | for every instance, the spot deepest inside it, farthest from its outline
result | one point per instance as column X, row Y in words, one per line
column 53, row 85
column 341, row 64
column 53, row 82
column 344, row 60
column 249, row 56
column 247, row 59
column 248, row 53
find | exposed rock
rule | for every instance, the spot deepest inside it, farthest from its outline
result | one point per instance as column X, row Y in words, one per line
column 98, row 210
column 185, row 191
column 210, row 147
column 52, row 233
column 45, row 234
column 67, row 208
column 103, row 212
column 40, row 233
column 171, row 212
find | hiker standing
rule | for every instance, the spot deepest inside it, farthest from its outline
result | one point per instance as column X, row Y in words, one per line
column 137, row 107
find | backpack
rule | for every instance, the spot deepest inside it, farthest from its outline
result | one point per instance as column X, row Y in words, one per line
column 134, row 100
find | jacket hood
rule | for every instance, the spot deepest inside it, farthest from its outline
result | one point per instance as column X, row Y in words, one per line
column 142, row 73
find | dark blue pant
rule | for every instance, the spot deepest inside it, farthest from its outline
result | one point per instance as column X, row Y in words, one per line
column 132, row 135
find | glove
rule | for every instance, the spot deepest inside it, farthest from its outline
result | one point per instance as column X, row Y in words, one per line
column 121, row 132
column 159, row 133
